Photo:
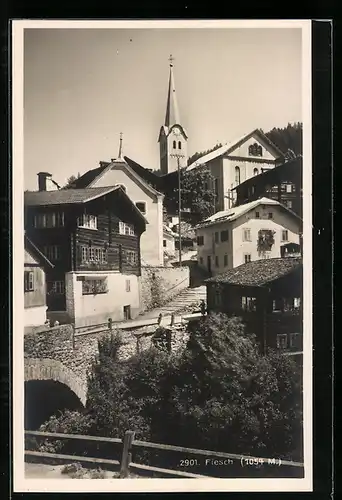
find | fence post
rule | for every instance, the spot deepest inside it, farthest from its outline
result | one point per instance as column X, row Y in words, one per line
column 169, row 340
column 160, row 318
column 73, row 335
column 172, row 319
column 110, row 324
column 126, row 453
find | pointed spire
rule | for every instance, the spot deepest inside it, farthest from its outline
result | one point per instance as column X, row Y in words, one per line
column 120, row 147
column 172, row 114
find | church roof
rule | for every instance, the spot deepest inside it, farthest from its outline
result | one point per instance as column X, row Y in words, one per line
column 230, row 146
column 172, row 112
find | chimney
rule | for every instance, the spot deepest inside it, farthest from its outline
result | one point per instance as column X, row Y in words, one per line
column 42, row 177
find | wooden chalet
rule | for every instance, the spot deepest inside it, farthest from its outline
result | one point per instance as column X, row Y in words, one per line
column 282, row 183
column 267, row 295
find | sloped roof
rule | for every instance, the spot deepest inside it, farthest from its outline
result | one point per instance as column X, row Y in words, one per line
column 43, row 260
column 258, row 273
column 230, row 146
column 147, row 174
column 65, row 196
column 236, row 212
column 90, row 176
column 172, row 112
column 287, row 166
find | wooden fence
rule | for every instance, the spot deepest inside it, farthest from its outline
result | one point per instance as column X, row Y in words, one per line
column 126, row 465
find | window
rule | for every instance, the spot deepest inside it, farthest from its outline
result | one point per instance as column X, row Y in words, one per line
column 179, row 145
column 255, row 171
column 53, row 252
column 216, row 237
column 224, row 235
column 128, row 286
column 164, row 243
column 127, row 229
column 50, row 219
column 270, row 215
column 255, row 150
column 141, row 205
column 200, row 240
column 247, row 257
column 288, row 188
column 131, row 257
column 217, row 261
column 281, row 340
column 94, row 286
column 56, row 287
column 248, row 303
column 257, row 215
column 28, row 281
column 284, row 235
column 87, row 221
column 295, row 340
column 289, row 204
column 237, row 175
column 246, row 235
column 296, row 303
column 174, row 145
column 277, row 305
column 225, row 260
column 93, row 254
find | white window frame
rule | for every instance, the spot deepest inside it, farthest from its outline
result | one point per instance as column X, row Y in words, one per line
column 57, row 288
column 29, row 281
column 289, row 204
column 281, row 337
column 48, row 220
column 246, row 303
column 246, row 259
column 246, row 231
column 53, row 252
column 286, row 233
column 128, row 286
column 87, row 221
column 93, row 254
column 126, row 229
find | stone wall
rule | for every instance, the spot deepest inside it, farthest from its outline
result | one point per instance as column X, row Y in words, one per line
column 159, row 284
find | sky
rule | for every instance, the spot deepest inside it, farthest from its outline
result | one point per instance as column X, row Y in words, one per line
column 82, row 87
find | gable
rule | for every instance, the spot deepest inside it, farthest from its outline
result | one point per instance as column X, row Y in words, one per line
column 30, row 258
column 242, row 149
column 119, row 173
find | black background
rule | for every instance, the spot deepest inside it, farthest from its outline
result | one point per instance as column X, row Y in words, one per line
column 322, row 37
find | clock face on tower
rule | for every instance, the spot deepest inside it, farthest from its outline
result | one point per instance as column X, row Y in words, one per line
column 176, row 131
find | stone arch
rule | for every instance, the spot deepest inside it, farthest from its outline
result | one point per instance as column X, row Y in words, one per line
column 50, row 369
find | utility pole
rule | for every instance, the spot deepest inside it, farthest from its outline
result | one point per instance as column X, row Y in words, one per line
column 178, row 156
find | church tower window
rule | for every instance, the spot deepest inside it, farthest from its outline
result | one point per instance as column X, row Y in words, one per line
column 255, row 171
column 174, row 145
column 179, row 145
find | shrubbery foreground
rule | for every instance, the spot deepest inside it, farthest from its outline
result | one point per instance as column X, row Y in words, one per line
column 219, row 394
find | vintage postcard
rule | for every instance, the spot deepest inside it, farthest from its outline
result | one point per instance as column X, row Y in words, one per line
column 162, row 231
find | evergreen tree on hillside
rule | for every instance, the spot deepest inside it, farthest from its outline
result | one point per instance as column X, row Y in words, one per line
column 199, row 154
column 287, row 139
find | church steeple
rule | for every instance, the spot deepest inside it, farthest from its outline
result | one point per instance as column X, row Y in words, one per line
column 172, row 137
column 172, row 113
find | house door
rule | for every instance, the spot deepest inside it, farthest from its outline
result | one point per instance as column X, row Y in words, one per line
column 127, row 312
column 209, row 263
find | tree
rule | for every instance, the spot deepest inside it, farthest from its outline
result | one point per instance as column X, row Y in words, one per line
column 219, row 394
column 197, row 193
column 70, row 181
column 288, row 139
column 199, row 154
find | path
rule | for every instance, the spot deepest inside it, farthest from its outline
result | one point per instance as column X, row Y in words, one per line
column 188, row 298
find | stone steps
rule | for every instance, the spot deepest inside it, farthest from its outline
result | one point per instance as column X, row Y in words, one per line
column 187, row 298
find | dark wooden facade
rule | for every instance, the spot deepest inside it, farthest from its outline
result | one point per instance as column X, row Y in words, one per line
column 118, row 252
column 282, row 183
column 276, row 309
